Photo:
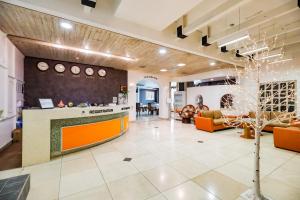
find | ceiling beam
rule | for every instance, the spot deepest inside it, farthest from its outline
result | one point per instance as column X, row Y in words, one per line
column 213, row 15
column 262, row 18
column 278, row 32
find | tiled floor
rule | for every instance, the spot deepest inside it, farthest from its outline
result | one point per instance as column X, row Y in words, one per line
column 167, row 162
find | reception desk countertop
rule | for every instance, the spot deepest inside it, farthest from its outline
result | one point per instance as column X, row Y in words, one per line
column 52, row 132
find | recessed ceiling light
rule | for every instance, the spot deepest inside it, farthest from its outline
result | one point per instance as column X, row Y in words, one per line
column 66, row 25
column 181, row 64
column 162, row 51
column 212, row 63
column 86, row 47
column 211, row 79
column 163, row 70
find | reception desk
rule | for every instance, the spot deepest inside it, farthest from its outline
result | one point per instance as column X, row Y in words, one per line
column 53, row 132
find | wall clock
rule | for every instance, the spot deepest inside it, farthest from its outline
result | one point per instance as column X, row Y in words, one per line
column 101, row 72
column 75, row 70
column 89, row 71
column 42, row 66
column 60, row 68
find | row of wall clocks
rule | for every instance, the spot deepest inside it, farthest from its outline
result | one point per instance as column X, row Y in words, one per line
column 60, row 68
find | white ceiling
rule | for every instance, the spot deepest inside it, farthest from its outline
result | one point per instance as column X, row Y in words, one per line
column 155, row 14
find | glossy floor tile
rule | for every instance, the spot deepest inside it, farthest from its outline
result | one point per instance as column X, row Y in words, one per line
column 220, row 185
column 132, row 187
column 164, row 177
column 168, row 163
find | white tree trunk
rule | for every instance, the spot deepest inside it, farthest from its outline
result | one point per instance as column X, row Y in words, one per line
column 256, row 178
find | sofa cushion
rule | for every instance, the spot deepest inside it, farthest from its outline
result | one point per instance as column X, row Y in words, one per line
column 208, row 114
column 218, row 121
column 275, row 114
column 266, row 115
column 252, row 114
column 276, row 124
column 217, row 114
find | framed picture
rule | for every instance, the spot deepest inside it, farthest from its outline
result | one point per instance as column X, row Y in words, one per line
column 123, row 88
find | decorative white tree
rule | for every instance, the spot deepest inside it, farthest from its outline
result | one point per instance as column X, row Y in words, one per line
column 260, row 97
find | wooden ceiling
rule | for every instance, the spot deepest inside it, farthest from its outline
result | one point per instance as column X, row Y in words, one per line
column 29, row 29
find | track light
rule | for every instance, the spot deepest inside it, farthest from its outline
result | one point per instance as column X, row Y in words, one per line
column 270, row 55
column 280, row 61
column 253, row 49
column 237, row 37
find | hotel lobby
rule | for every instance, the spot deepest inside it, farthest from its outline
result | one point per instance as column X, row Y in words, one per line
column 149, row 100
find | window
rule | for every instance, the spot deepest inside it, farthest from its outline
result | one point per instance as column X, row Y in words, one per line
column 150, row 95
column 278, row 96
column 226, row 101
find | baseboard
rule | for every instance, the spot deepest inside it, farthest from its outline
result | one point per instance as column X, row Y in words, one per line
column 5, row 146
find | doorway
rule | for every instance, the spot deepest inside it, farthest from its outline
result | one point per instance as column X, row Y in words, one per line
column 147, row 100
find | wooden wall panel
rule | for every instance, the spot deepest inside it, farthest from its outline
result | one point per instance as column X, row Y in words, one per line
column 69, row 87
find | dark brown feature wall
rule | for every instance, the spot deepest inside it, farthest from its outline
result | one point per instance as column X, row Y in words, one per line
column 68, row 87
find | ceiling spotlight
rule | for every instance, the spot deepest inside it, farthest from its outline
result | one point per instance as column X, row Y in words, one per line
column 57, row 46
column 66, row 25
column 181, row 64
column 212, row 63
column 86, row 47
column 211, row 79
column 162, row 51
column 163, row 70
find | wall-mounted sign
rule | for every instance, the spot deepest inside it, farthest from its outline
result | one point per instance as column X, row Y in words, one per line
column 150, row 77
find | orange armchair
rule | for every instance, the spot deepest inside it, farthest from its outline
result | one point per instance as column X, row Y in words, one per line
column 287, row 138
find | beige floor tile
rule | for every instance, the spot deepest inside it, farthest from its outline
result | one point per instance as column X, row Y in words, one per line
column 117, row 170
column 188, row 191
column 108, row 158
column 277, row 190
column 146, row 162
column 164, row 177
column 76, row 155
column 157, row 197
column 220, row 185
column 92, row 194
column 287, row 176
column 189, row 167
column 78, row 175
column 132, row 187
column 46, row 190
column 10, row 173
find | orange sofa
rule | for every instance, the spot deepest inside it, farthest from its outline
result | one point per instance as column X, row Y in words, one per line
column 210, row 121
column 283, row 123
column 287, row 138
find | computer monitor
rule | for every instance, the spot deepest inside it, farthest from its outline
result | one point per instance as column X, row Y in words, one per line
column 46, row 103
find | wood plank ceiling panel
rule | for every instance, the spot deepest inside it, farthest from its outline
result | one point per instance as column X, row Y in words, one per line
column 26, row 28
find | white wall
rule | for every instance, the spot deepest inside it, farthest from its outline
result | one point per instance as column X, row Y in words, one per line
column 211, row 95
column 133, row 78
column 11, row 73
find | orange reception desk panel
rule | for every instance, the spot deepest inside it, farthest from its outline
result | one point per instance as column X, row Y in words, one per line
column 74, row 137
